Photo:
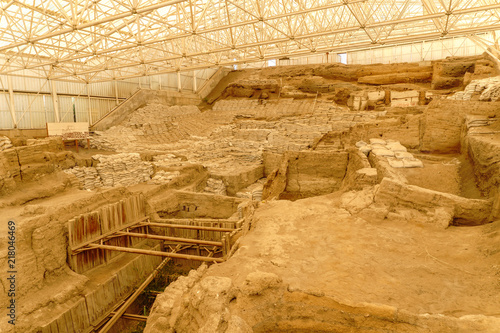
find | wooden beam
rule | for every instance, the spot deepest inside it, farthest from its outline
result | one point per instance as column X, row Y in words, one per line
column 153, row 253
column 198, row 220
column 167, row 238
column 120, row 311
column 182, row 226
column 130, row 316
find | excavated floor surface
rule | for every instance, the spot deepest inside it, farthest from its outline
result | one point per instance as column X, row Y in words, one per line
column 343, row 247
column 315, row 246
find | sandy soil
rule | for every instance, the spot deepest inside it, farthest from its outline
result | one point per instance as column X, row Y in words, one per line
column 314, row 246
column 439, row 174
column 449, row 173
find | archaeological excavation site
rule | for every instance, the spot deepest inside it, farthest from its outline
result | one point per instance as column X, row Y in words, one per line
column 237, row 167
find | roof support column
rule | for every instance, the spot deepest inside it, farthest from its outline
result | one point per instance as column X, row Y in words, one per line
column 195, row 88
column 89, row 107
column 55, row 101
column 116, row 92
column 179, row 85
column 11, row 101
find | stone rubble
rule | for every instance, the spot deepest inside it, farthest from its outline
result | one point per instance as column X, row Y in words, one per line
column 5, row 143
column 123, row 169
column 233, row 134
column 167, row 161
column 215, row 186
column 396, row 154
column 488, row 89
column 88, row 177
column 163, row 177
column 253, row 191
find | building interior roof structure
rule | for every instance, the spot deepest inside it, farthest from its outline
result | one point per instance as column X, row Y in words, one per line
column 105, row 40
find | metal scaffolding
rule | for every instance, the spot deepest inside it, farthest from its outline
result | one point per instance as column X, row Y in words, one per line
column 107, row 40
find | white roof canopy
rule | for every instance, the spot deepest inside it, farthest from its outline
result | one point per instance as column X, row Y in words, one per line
column 102, row 40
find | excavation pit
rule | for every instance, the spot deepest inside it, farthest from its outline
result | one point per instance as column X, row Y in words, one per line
column 348, row 236
column 181, row 204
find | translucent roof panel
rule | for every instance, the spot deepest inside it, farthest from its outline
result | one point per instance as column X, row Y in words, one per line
column 101, row 40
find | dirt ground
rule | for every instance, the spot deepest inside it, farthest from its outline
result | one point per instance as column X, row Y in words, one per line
column 311, row 266
column 312, row 245
column 367, row 254
column 449, row 173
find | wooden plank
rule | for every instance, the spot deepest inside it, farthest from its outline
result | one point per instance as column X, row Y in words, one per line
column 224, row 246
column 108, row 234
column 200, row 220
column 153, row 253
column 183, row 226
column 130, row 316
column 173, row 239
column 121, row 310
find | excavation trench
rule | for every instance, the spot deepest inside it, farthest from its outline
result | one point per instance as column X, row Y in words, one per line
column 117, row 246
column 362, row 191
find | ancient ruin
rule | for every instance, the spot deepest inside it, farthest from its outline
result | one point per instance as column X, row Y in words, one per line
column 313, row 198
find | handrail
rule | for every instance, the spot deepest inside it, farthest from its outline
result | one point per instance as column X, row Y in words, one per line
column 115, row 108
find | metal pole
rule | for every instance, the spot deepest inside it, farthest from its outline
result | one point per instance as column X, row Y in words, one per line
column 11, row 102
column 93, row 23
column 116, row 92
column 179, row 84
column 195, row 88
column 132, row 298
column 55, row 101
column 90, row 110
column 154, row 253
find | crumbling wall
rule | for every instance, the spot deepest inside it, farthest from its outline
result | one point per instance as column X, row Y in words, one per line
column 485, row 154
column 315, row 173
column 123, row 169
column 442, row 123
column 405, row 129
column 240, row 179
column 265, row 303
column 359, row 171
column 450, row 74
column 28, row 163
column 183, row 204
column 308, row 173
column 456, row 209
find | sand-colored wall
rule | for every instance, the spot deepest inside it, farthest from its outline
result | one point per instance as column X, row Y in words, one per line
column 183, row 204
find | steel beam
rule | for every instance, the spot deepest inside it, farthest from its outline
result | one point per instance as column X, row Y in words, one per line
column 55, row 101
column 222, row 39
column 338, row 49
column 92, row 23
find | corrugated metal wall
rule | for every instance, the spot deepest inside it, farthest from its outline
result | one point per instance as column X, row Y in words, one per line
column 34, row 105
column 421, row 51
column 414, row 52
